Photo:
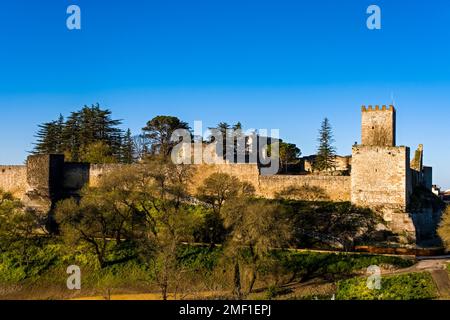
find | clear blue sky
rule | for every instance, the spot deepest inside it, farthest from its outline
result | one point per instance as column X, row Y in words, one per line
column 269, row 64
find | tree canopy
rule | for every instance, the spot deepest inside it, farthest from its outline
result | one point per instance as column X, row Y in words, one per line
column 159, row 131
column 89, row 135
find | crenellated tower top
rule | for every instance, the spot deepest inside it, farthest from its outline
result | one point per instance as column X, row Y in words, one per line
column 378, row 125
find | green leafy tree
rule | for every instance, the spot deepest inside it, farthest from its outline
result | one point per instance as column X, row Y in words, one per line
column 88, row 223
column 98, row 152
column 288, row 154
column 159, row 131
column 444, row 228
column 326, row 153
column 216, row 190
column 146, row 204
column 161, row 199
column 256, row 227
column 18, row 228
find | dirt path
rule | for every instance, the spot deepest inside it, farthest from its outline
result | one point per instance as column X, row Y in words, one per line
column 437, row 267
column 440, row 278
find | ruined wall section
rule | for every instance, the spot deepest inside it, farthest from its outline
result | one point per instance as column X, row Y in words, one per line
column 13, row 179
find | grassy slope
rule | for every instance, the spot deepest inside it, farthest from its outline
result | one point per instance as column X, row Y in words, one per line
column 44, row 276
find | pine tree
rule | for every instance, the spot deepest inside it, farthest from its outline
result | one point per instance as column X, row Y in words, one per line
column 49, row 139
column 128, row 150
column 71, row 137
column 81, row 133
column 326, row 153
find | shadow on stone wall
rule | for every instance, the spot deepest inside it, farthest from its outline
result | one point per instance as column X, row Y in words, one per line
column 426, row 210
column 305, row 192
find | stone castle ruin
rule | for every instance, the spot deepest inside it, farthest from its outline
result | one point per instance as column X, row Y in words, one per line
column 380, row 176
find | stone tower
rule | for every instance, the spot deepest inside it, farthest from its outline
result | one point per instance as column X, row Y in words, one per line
column 381, row 176
column 378, row 126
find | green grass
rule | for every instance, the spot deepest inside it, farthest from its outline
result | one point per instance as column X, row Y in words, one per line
column 44, row 265
column 411, row 286
column 335, row 266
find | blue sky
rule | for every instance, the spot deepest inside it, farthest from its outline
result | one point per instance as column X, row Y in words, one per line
column 269, row 64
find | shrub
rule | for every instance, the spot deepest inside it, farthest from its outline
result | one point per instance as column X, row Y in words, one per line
column 308, row 265
column 412, row 286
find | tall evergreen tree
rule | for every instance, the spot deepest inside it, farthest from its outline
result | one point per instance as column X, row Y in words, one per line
column 71, row 137
column 128, row 151
column 49, row 137
column 82, row 131
column 326, row 153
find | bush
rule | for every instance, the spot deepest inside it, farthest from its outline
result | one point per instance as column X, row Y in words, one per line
column 308, row 265
column 199, row 258
column 27, row 261
column 412, row 286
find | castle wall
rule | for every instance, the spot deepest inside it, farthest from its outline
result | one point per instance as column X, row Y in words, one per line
column 247, row 172
column 334, row 188
column 96, row 171
column 380, row 176
column 14, row 179
column 76, row 176
column 342, row 163
column 45, row 174
column 381, row 180
column 428, row 177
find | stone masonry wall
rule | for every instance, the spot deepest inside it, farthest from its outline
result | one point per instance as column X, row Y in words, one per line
column 77, row 175
column 96, row 171
column 378, row 126
column 381, row 180
column 335, row 188
column 244, row 171
column 14, row 179
column 379, row 176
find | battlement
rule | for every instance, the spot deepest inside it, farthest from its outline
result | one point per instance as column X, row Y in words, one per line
column 378, row 126
column 378, row 108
